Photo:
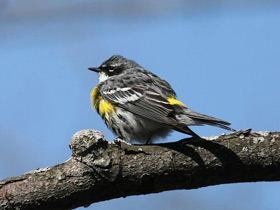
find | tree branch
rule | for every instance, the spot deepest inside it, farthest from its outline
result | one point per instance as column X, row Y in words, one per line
column 100, row 170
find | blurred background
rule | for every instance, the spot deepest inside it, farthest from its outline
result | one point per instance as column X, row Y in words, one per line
column 222, row 58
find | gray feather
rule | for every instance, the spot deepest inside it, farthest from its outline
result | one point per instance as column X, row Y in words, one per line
column 190, row 117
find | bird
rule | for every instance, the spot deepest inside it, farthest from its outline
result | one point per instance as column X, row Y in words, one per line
column 138, row 106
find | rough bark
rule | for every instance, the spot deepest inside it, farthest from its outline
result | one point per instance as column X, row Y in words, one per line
column 100, row 170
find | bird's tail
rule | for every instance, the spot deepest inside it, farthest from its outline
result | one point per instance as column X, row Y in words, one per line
column 189, row 117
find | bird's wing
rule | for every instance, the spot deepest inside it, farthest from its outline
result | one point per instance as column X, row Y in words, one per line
column 141, row 100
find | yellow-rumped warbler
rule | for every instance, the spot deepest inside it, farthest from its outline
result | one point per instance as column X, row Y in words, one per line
column 138, row 105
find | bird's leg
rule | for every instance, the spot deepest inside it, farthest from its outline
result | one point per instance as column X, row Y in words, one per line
column 147, row 142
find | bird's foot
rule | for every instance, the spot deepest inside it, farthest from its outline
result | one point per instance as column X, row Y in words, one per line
column 120, row 140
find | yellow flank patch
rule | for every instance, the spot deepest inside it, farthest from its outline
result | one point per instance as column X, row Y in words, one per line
column 103, row 107
column 95, row 96
column 174, row 101
column 106, row 107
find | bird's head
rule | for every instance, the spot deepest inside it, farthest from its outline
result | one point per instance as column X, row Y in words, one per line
column 115, row 65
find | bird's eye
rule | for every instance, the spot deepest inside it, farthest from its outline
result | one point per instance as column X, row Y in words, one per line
column 112, row 68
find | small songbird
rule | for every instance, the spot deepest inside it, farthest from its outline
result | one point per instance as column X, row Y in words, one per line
column 139, row 106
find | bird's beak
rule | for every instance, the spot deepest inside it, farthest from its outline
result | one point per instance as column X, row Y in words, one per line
column 94, row 69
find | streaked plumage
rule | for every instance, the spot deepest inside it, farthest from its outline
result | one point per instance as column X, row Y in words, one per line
column 138, row 105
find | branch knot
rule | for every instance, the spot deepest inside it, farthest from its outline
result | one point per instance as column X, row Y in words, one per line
column 87, row 141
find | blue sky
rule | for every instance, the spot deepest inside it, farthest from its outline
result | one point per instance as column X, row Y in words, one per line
column 223, row 63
